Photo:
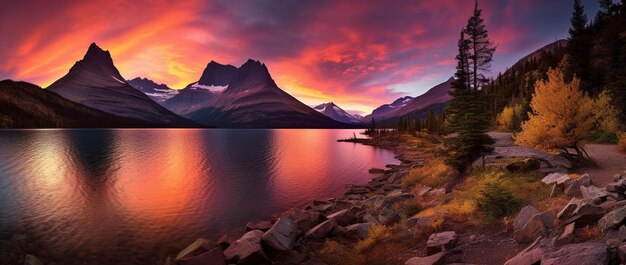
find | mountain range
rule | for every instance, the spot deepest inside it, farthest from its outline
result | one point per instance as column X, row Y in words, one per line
column 224, row 96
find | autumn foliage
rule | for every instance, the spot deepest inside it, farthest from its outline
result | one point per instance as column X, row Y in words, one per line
column 561, row 116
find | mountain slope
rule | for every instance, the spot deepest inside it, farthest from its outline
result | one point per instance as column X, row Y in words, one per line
column 157, row 92
column 215, row 79
column 436, row 98
column 253, row 100
column 336, row 113
column 95, row 82
column 24, row 105
column 389, row 108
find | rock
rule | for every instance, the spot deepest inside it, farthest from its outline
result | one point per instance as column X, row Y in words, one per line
column 214, row 256
column 377, row 202
column 196, row 248
column 441, row 242
column 32, row 260
column 398, row 196
column 538, row 225
column 555, row 178
column 588, row 253
column 612, row 219
column 590, row 192
column 343, row 217
column 533, row 253
column 260, row 225
column 527, row 164
column 419, row 222
column 523, row 216
column 355, row 189
column 572, row 188
column 586, row 214
column 357, row 231
column 569, row 209
column 621, row 233
column 304, row 219
column 247, row 250
column 369, row 218
column 376, row 171
column 585, row 180
column 320, row 205
column 568, row 235
column 322, row 230
column 436, row 259
column 436, row 192
column 281, row 236
column 621, row 253
column 423, row 190
column 341, row 205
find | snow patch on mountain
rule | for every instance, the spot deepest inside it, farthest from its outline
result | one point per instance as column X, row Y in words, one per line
column 211, row 88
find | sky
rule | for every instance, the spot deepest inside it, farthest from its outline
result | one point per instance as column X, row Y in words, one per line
column 359, row 54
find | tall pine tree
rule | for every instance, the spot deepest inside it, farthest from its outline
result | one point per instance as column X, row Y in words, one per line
column 578, row 48
column 467, row 115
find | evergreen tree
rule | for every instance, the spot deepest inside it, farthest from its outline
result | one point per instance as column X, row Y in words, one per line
column 466, row 113
column 578, row 48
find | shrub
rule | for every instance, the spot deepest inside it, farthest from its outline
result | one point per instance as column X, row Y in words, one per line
column 590, row 233
column 434, row 173
column 336, row 253
column 497, row 202
column 411, row 208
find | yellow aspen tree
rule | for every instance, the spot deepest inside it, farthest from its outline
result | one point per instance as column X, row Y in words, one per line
column 561, row 116
column 606, row 113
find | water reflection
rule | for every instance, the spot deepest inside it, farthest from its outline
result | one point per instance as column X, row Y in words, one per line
column 133, row 196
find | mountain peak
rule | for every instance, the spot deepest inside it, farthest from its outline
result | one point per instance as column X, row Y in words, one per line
column 94, row 53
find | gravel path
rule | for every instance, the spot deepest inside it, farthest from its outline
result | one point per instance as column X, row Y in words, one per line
column 609, row 160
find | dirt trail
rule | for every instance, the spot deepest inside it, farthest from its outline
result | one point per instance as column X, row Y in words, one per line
column 609, row 160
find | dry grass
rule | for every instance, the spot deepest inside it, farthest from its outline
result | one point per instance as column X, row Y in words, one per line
column 434, row 173
column 377, row 234
column 334, row 252
column 588, row 233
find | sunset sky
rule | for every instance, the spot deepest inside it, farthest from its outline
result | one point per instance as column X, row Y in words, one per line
column 358, row 54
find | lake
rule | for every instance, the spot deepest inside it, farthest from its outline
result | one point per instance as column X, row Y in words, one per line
column 133, row 196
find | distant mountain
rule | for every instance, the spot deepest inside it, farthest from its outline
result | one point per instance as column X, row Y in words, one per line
column 95, row 82
column 24, row 105
column 336, row 113
column 436, row 99
column 157, row 92
column 253, row 100
column 215, row 79
column 389, row 108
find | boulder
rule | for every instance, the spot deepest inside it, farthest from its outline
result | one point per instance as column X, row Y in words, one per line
column 341, row 205
column 590, row 192
column 585, row 214
column 355, row 189
column 523, row 216
column 555, row 178
column 568, row 235
column 572, row 188
column 196, row 248
column 224, row 241
column 588, row 253
column 613, row 219
column 423, row 190
column 539, row 225
column 214, row 256
column 369, row 218
column 303, row 218
column 322, row 230
column 32, row 260
column 357, row 231
column 260, row 225
column 533, row 253
column 441, row 242
column 569, row 209
column 247, row 250
column 320, row 205
column 281, row 236
column 343, row 217
column 435, row 259
column 376, row 171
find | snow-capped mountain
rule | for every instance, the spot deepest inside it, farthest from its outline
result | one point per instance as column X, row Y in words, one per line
column 252, row 99
column 388, row 108
column 215, row 79
column 336, row 113
column 436, row 98
column 157, row 92
column 95, row 82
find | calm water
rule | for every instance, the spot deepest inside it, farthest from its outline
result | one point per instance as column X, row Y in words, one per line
column 134, row 196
